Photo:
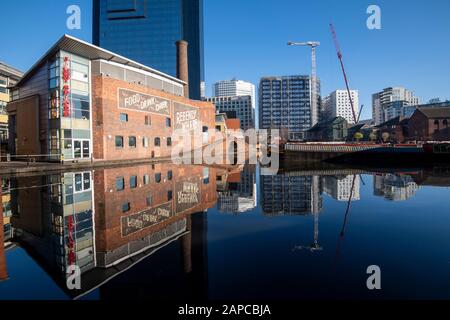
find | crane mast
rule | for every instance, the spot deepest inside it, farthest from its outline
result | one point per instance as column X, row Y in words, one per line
column 339, row 54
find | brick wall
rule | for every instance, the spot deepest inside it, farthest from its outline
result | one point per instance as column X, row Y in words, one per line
column 109, row 201
column 107, row 124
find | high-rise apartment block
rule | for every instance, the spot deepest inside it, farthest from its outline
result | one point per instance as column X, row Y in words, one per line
column 146, row 31
column 338, row 104
column 285, row 104
column 391, row 103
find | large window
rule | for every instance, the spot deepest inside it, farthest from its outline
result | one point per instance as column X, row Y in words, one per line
column 133, row 182
column 157, row 142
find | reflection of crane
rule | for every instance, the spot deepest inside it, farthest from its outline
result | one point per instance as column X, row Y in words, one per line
column 347, row 212
column 314, row 109
column 314, row 247
column 339, row 54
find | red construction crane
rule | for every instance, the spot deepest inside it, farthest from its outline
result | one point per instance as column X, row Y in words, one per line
column 339, row 54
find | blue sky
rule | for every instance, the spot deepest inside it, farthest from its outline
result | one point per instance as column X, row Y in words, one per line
column 247, row 39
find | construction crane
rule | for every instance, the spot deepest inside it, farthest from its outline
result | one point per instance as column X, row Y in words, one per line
column 339, row 54
column 314, row 108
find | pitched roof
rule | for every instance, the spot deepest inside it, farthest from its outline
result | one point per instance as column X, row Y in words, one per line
column 435, row 112
column 91, row 52
column 326, row 123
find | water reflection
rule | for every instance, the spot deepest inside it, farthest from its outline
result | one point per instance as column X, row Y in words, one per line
column 110, row 222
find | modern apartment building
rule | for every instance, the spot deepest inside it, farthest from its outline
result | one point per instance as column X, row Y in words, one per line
column 285, row 104
column 8, row 78
column 242, row 105
column 81, row 102
column 390, row 102
column 146, row 31
column 337, row 104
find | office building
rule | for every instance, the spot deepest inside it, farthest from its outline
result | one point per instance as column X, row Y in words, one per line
column 235, row 88
column 285, row 104
column 8, row 78
column 390, row 102
column 81, row 102
column 146, row 31
column 241, row 105
column 337, row 104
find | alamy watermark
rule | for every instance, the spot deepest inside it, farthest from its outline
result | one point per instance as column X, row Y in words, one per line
column 74, row 20
column 374, row 280
column 233, row 147
column 374, row 20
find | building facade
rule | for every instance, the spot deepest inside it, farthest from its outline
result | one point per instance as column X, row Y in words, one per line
column 285, row 104
column 430, row 124
column 338, row 104
column 242, row 105
column 335, row 129
column 390, row 103
column 235, row 88
column 81, row 102
column 8, row 78
column 146, row 31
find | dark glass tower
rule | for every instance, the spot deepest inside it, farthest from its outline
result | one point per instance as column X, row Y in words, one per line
column 146, row 31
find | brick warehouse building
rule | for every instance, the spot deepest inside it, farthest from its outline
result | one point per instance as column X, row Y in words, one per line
column 81, row 102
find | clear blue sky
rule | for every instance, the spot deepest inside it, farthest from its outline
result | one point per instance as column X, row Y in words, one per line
column 247, row 39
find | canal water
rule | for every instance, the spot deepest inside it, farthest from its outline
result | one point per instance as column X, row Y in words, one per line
column 191, row 233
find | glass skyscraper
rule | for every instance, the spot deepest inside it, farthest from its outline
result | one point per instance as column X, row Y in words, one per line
column 146, row 31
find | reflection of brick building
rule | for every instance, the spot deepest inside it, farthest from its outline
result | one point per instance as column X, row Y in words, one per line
column 109, row 220
column 81, row 102
column 134, row 203
column 3, row 269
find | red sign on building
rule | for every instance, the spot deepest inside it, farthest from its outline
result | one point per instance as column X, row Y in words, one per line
column 66, row 88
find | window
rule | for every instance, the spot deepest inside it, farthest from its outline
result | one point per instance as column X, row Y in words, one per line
column 124, row 117
column 168, row 122
column 149, row 200
column 133, row 182
column 169, row 195
column 146, row 179
column 158, row 177
column 157, row 142
column 148, row 121
column 126, row 207
column 169, row 175
column 132, row 142
column 119, row 142
column 120, row 184
column 169, row 142
column 145, row 142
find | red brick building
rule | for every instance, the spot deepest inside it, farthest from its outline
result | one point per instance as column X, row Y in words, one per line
column 80, row 102
column 430, row 124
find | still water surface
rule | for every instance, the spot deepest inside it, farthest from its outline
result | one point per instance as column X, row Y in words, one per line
column 167, row 232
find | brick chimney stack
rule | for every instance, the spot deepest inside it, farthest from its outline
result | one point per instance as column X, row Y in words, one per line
column 182, row 64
